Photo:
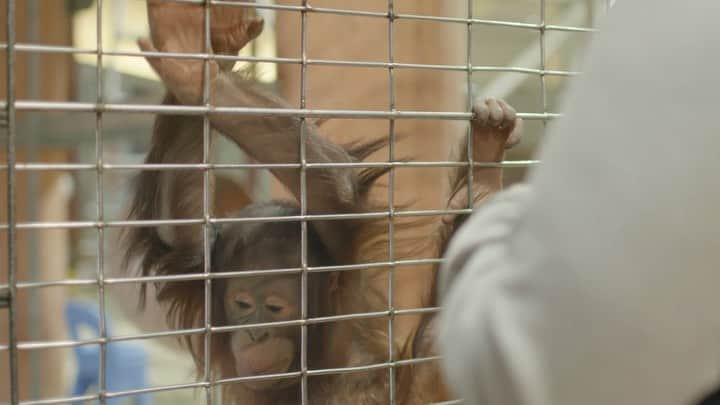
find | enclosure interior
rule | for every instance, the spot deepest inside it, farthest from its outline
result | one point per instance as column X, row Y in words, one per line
column 78, row 103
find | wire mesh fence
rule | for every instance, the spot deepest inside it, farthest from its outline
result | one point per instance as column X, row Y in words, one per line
column 102, row 108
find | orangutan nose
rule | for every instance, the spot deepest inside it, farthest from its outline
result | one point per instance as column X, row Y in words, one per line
column 258, row 335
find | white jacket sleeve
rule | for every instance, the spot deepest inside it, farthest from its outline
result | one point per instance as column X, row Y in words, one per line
column 602, row 285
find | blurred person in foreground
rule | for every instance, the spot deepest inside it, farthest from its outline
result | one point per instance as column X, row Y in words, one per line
column 598, row 282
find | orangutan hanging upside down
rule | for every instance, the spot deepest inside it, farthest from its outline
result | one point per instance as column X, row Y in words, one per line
column 256, row 302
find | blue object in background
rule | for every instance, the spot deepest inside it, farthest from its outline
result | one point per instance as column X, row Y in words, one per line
column 125, row 365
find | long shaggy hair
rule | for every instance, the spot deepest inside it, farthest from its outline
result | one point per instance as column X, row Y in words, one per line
column 184, row 300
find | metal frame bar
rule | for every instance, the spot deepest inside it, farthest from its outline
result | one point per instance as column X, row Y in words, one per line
column 245, row 166
column 207, row 226
column 220, row 275
column 305, row 7
column 11, row 213
column 69, row 106
column 42, row 48
column 33, row 91
column 201, row 221
column 469, row 104
column 304, row 394
column 391, row 202
column 39, row 345
column 102, row 383
column 205, row 385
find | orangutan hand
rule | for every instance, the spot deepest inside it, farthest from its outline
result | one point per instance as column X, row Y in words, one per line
column 179, row 28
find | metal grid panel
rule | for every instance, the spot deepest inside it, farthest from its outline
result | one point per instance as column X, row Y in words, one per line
column 11, row 106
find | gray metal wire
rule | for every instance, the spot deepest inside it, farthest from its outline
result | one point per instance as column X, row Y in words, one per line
column 469, row 104
column 221, row 275
column 207, row 226
column 65, row 106
column 391, row 201
column 71, row 167
column 320, row 10
column 268, row 377
column 33, row 70
column 43, row 48
column 290, row 218
column 38, row 345
column 99, row 108
column 11, row 213
column 303, row 207
column 102, row 380
column 543, row 86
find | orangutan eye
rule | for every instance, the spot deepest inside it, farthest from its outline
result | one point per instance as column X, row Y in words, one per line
column 244, row 305
column 274, row 308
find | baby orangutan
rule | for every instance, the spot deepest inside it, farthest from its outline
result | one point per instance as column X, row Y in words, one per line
column 259, row 294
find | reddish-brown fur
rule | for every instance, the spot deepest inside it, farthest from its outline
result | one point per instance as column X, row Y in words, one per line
column 178, row 250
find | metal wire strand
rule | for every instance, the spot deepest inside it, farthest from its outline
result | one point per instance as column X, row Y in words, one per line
column 100, row 251
column 207, row 385
column 41, row 345
column 72, row 167
column 304, row 395
column 361, row 13
column 207, row 209
column 11, row 291
column 391, row 201
column 65, row 106
column 54, row 49
column 221, row 275
column 212, row 220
